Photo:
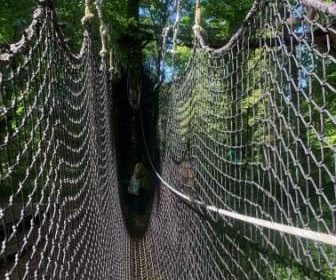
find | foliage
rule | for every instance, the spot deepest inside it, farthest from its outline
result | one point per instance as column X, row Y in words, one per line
column 222, row 18
column 71, row 24
column 219, row 20
column 15, row 16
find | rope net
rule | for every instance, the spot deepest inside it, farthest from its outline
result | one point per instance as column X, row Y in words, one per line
column 249, row 160
column 59, row 217
column 250, row 143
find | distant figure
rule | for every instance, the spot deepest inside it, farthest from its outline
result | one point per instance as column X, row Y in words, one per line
column 187, row 177
column 137, row 186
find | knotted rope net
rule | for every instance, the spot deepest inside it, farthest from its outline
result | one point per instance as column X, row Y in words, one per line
column 58, row 212
column 248, row 181
column 250, row 146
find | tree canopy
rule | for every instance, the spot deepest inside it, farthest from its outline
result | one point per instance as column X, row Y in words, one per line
column 142, row 20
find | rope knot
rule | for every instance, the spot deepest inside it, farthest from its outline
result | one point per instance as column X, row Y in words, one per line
column 197, row 28
column 103, row 52
column 87, row 18
column 87, row 14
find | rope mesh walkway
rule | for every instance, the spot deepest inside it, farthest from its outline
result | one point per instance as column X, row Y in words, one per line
column 249, row 148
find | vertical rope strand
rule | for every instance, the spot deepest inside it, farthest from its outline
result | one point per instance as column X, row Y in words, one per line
column 87, row 13
column 175, row 33
column 102, row 28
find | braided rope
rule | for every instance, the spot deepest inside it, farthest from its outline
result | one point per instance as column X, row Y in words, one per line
column 175, row 33
column 321, row 6
column 88, row 15
column 102, row 29
column 198, row 16
column 234, row 39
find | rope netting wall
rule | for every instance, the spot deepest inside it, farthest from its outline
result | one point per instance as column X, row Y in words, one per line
column 250, row 144
column 59, row 217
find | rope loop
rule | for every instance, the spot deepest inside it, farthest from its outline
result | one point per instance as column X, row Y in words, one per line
column 111, row 69
column 87, row 14
column 102, row 29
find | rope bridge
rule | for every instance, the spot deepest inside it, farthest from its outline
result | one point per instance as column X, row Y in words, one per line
column 248, row 183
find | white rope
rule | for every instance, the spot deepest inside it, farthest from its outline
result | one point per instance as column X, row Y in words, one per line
column 299, row 232
column 111, row 61
column 317, row 5
column 165, row 32
column 175, row 28
column 102, row 28
column 87, row 14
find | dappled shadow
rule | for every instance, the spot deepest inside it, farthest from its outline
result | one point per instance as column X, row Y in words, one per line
column 137, row 211
column 130, row 128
